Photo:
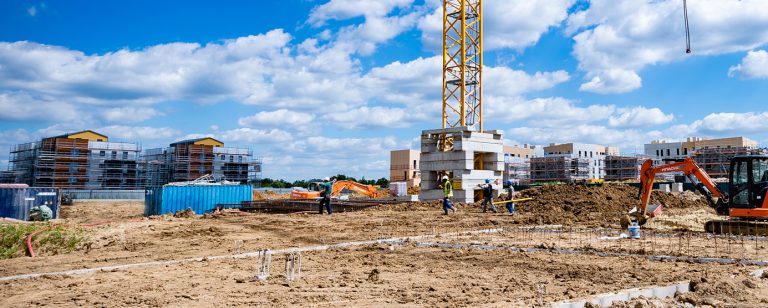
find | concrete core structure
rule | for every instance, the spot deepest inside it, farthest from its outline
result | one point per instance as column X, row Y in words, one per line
column 466, row 156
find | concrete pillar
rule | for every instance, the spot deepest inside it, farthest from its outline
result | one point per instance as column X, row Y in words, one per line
column 459, row 162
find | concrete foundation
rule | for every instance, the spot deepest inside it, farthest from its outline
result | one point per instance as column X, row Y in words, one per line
column 468, row 159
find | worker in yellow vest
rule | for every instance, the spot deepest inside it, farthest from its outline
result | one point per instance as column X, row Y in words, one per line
column 447, row 187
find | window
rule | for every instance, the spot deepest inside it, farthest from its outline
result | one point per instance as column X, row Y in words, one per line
column 668, row 152
column 239, row 159
column 114, row 154
column 231, row 159
column 414, row 165
column 678, row 151
column 72, row 180
column 579, row 153
column 75, row 152
column 102, row 153
column 740, row 180
column 685, row 151
column 223, row 157
column 125, row 155
column 760, row 170
column 657, row 153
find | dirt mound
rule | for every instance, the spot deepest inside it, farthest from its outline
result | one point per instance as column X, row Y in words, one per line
column 188, row 213
column 592, row 205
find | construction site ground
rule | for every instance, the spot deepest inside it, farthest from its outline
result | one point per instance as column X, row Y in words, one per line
column 480, row 269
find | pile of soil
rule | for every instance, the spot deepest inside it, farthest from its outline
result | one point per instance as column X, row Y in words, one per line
column 593, row 205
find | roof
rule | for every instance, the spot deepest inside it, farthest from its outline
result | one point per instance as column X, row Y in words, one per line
column 199, row 141
column 80, row 132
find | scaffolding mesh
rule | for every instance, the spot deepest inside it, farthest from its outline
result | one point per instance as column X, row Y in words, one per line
column 622, row 168
column 559, row 169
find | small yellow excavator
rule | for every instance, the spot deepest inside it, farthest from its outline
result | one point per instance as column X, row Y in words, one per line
column 313, row 191
column 746, row 202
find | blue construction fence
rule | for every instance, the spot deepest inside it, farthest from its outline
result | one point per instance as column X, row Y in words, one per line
column 201, row 199
column 16, row 202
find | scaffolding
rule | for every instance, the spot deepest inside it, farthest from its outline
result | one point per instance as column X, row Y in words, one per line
column 559, row 169
column 186, row 162
column 75, row 164
column 623, row 168
column 517, row 170
column 716, row 161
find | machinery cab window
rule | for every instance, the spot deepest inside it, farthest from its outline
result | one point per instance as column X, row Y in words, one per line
column 760, row 176
column 740, row 183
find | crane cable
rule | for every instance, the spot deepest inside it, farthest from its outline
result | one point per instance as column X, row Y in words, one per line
column 687, row 30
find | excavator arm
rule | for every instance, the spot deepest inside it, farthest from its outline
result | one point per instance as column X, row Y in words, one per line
column 367, row 190
column 690, row 169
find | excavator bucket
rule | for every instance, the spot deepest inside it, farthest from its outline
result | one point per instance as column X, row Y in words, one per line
column 653, row 210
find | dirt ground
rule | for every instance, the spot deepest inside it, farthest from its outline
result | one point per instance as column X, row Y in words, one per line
column 363, row 276
column 374, row 276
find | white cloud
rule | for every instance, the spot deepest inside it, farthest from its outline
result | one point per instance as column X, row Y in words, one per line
column 504, row 81
column 729, row 123
column 137, row 133
column 639, row 117
column 545, row 112
column 254, row 136
column 129, row 114
column 345, row 9
column 754, row 65
column 627, row 140
column 614, row 40
column 612, row 81
column 282, row 117
column 507, row 23
column 32, row 11
column 22, row 106
column 364, row 117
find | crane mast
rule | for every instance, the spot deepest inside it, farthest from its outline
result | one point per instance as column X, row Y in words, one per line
column 462, row 63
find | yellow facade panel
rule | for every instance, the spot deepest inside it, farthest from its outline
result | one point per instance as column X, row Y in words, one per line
column 88, row 135
column 210, row 141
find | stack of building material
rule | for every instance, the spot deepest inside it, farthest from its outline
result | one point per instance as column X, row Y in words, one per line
column 398, row 189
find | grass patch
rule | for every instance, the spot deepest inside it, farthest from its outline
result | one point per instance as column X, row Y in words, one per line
column 58, row 240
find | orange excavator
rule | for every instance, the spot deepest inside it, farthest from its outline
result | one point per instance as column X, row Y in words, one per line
column 746, row 202
column 313, row 191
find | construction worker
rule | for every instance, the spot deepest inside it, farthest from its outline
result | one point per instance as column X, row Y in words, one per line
column 487, row 196
column 327, row 186
column 447, row 187
column 511, row 194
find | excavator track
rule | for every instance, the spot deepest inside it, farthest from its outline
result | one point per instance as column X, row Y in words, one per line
column 737, row 227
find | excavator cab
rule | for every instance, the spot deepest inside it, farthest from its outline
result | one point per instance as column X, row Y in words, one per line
column 748, row 184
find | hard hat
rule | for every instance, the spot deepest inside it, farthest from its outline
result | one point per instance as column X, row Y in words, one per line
column 487, row 181
column 445, row 178
column 509, row 182
column 326, row 179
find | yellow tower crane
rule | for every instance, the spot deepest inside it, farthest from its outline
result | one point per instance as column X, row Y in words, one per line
column 462, row 63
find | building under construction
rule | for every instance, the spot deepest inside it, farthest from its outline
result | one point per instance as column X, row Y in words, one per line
column 623, row 168
column 81, row 160
column 188, row 160
column 716, row 161
column 559, row 169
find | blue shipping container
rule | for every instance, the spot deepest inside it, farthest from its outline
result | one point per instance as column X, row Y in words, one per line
column 201, row 199
column 16, row 202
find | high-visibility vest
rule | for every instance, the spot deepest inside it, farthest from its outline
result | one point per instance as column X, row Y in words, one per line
column 447, row 189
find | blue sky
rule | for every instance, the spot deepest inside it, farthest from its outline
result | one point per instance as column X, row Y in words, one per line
column 326, row 87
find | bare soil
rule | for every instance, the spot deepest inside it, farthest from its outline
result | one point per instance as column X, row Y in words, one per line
column 372, row 276
column 595, row 205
